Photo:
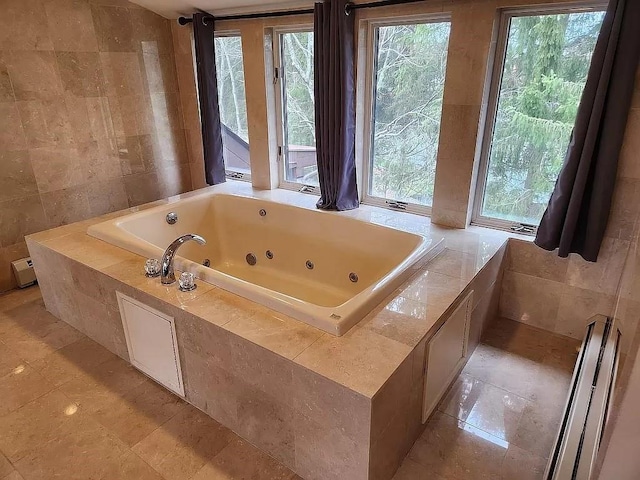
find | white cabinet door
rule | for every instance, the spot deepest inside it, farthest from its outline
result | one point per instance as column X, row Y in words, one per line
column 151, row 341
column 446, row 353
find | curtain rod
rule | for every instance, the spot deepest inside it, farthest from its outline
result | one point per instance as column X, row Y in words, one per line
column 282, row 13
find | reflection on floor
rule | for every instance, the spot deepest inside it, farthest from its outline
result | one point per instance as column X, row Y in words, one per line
column 70, row 409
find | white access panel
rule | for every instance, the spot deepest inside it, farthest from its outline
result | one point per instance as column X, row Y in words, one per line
column 151, row 341
column 446, row 353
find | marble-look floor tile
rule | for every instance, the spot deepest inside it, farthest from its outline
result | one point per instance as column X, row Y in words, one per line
column 452, row 448
column 28, row 319
column 33, row 349
column 5, row 466
column 86, row 353
column 27, row 429
column 100, row 387
column 58, row 368
column 14, row 298
column 20, row 387
column 24, row 26
column 136, row 414
column 37, row 333
column 522, row 465
column 9, row 360
column 87, row 452
column 130, row 467
column 538, row 428
column 513, row 373
column 484, row 406
column 69, row 362
column 15, row 475
column 240, row 459
column 183, row 445
column 410, row 470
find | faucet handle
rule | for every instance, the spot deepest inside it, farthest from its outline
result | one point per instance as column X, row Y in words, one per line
column 187, row 282
column 152, row 267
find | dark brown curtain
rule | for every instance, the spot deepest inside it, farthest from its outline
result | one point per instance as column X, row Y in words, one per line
column 334, row 84
column 208, row 95
column 578, row 211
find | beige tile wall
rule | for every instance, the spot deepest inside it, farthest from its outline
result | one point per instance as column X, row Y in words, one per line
column 469, row 46
column 90, row 116
column 617, row 458
column 559, row 294
column 182, row 45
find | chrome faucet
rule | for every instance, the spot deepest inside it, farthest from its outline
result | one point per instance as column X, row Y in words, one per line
column 167, row 277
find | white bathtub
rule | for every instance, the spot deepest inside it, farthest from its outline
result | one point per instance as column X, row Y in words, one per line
column 337, row 245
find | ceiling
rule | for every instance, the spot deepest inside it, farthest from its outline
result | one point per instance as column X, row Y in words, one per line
column 175, row 8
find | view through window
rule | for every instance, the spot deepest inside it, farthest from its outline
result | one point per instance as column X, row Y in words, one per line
column 410, row 67
column 232, row 101
column 545, row 68
column 298, row 109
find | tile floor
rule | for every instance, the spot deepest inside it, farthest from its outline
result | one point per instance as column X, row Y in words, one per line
column 500, row 418
column 70, row 409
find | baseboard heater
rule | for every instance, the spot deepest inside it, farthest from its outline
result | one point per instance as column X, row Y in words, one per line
column 574, row 454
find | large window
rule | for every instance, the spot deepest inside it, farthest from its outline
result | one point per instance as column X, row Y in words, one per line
column 297, row 154
column 233, row 108
column 409, row 63
column 541, row 69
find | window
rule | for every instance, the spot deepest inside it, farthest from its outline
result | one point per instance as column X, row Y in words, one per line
column 409, row 65
column 537, row 83
column 233, row 108
column 297, row 136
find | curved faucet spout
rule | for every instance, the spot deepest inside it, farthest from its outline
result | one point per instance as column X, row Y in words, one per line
column 167, row 276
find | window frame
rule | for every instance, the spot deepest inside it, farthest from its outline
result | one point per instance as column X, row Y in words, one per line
column 371, row 66
column 279, row 84
column 490, row 111
column 229, row 173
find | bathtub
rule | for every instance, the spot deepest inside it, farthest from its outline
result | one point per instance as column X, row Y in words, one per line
column 326, row 269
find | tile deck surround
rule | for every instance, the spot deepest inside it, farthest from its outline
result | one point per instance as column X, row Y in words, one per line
column 325, row 406
column 78, row 395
